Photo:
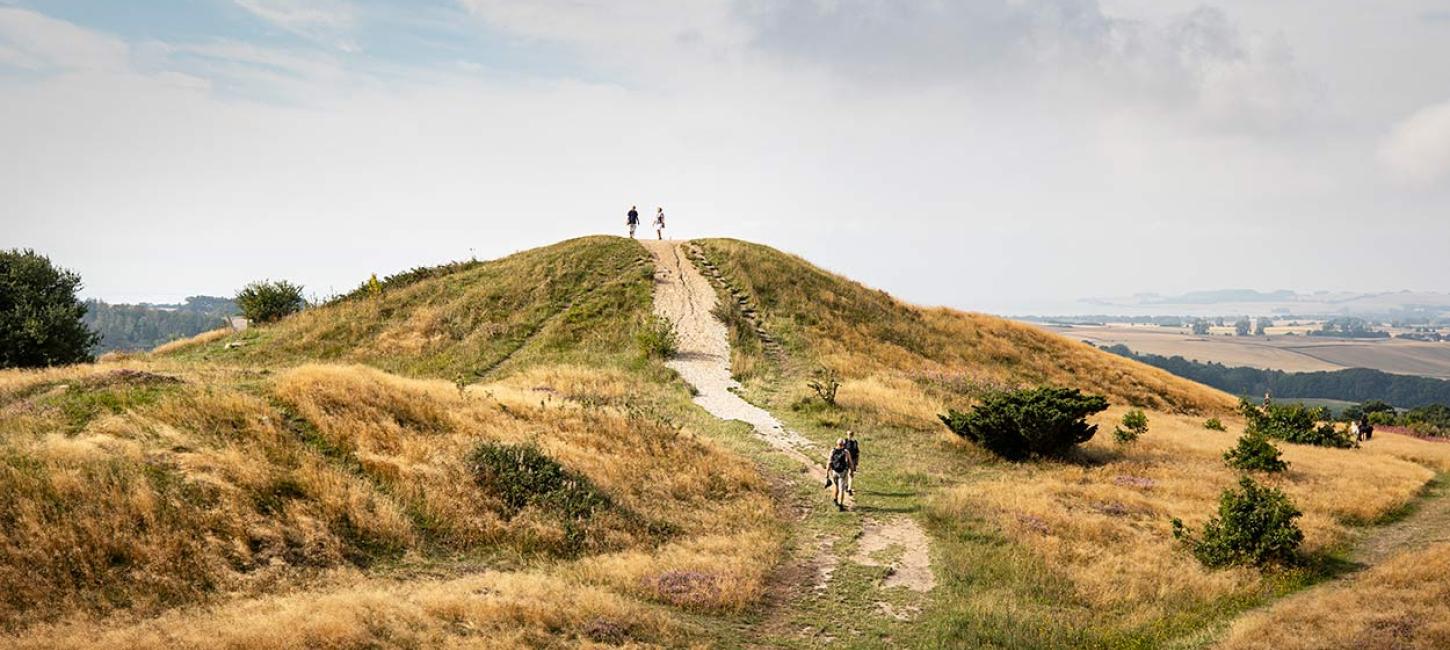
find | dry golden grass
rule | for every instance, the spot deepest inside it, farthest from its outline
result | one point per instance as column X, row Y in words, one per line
column 1104, row 523
column 1403, row 603
column 492, row 610
column 128, row 488
column 203, row 338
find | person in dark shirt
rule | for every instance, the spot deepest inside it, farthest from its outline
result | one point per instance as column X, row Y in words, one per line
column 632, row 220
column 838, row 473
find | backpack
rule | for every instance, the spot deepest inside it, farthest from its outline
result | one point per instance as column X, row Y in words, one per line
column 853, row 447
column 839, row 461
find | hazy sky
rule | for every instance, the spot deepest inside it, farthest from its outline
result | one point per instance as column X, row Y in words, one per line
column 1000, row 155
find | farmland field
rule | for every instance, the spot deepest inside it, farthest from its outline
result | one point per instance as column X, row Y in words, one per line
column 1277, row 351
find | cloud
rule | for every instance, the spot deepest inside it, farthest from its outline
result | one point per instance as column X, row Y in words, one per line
column 33, row 41
column 1417, row 150
column 324, row 21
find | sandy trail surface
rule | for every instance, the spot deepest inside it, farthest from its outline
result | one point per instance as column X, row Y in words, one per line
column 686, row 298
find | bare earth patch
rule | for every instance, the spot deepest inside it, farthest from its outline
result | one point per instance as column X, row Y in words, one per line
column 905, row 542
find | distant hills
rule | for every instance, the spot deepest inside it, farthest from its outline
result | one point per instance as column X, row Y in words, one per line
column 144, row 326
column 1389, row 305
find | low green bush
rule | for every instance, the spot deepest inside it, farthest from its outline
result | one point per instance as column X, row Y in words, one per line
column 1254, row 527
column 1255, row 453
column 1214, row 424
column 1294, row 423
column 657, row 339
column 1134, row 425
column 1017, row 424
column 267, row 301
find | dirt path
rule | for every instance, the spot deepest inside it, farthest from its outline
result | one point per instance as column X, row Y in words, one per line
column 685, row 297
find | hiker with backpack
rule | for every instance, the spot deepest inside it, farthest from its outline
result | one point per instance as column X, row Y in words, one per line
column 854, row 449
column 660, row 224
column 838, row 473
column 632, row 220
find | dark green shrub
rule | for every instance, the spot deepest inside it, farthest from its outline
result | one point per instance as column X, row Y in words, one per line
column 40, row 316
column 1294, row 423
column 1255, row 453
column 1254, row 527
column 522, row 475
column 656, row 338
column 1214, row 424
column 1134, row 425
column 267, row 301
column 1017, row 424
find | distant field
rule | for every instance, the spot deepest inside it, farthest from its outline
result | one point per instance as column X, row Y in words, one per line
column 1276, row 352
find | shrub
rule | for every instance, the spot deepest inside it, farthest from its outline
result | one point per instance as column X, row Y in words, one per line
column 1043, row 421
column 1294, row 423
column 826, row 384
column 1134, row 425
column 1255, row 453
column 40, row 316
column 1214, row 424
column 1254, row 527
column 267, row 301
column 522, row 476
column 656, row 338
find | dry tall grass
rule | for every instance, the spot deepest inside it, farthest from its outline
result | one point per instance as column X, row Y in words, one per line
column 1402, row 604
column 1102, row 524
column 145, row 487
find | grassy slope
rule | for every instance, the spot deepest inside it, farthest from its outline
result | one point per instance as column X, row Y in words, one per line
column 292, row 496
column 1035, row 554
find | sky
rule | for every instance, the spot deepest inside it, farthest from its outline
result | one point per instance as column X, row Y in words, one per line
column 1009, row 156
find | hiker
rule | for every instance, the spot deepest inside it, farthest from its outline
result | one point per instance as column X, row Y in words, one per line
column 660, row 224
column 1365, row 428
column 838, row 473
column 854, row 449
column 1355, row 431
column 632, row 220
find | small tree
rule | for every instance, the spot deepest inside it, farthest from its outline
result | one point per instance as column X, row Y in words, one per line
column 1254, row 527
column 267, row 301
column 1017, row 424
column 1214, row 424
column 1134, row 425
column 1261, row 326
column 1200, row 327
column 1242, row 326
column 826, row 384
column 1294, row 423
column 40, row 315
column 1254, row 453
column 375, row 288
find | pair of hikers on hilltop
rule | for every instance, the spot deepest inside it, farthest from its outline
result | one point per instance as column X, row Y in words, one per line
column 632, row 220
column 841, row 469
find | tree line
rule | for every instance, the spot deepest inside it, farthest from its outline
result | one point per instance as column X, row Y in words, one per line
column 1353, row 384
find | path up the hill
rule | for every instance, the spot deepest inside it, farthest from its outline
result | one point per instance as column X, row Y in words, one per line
column 686, row 298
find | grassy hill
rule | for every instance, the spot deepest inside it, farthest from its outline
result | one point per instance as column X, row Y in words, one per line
column 484, row 455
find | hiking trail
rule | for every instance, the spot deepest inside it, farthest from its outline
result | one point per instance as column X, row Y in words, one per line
column 686, row 298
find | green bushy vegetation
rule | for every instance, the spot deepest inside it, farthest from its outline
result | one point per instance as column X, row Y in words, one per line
column 1294, row 423
column 40, row 315
column 266, row 301
column 1254, row 527
column 1254, row 453
column 656, row 338
column 1214, row 424
column 1018, row 424
column 1133, row 426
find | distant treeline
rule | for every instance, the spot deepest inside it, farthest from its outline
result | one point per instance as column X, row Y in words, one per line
column 1352, row 385
column 145, row 326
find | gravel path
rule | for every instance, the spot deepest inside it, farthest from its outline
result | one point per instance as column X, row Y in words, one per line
column 686, row 298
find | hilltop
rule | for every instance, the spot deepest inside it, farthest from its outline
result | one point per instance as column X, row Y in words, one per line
column 495, row 453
